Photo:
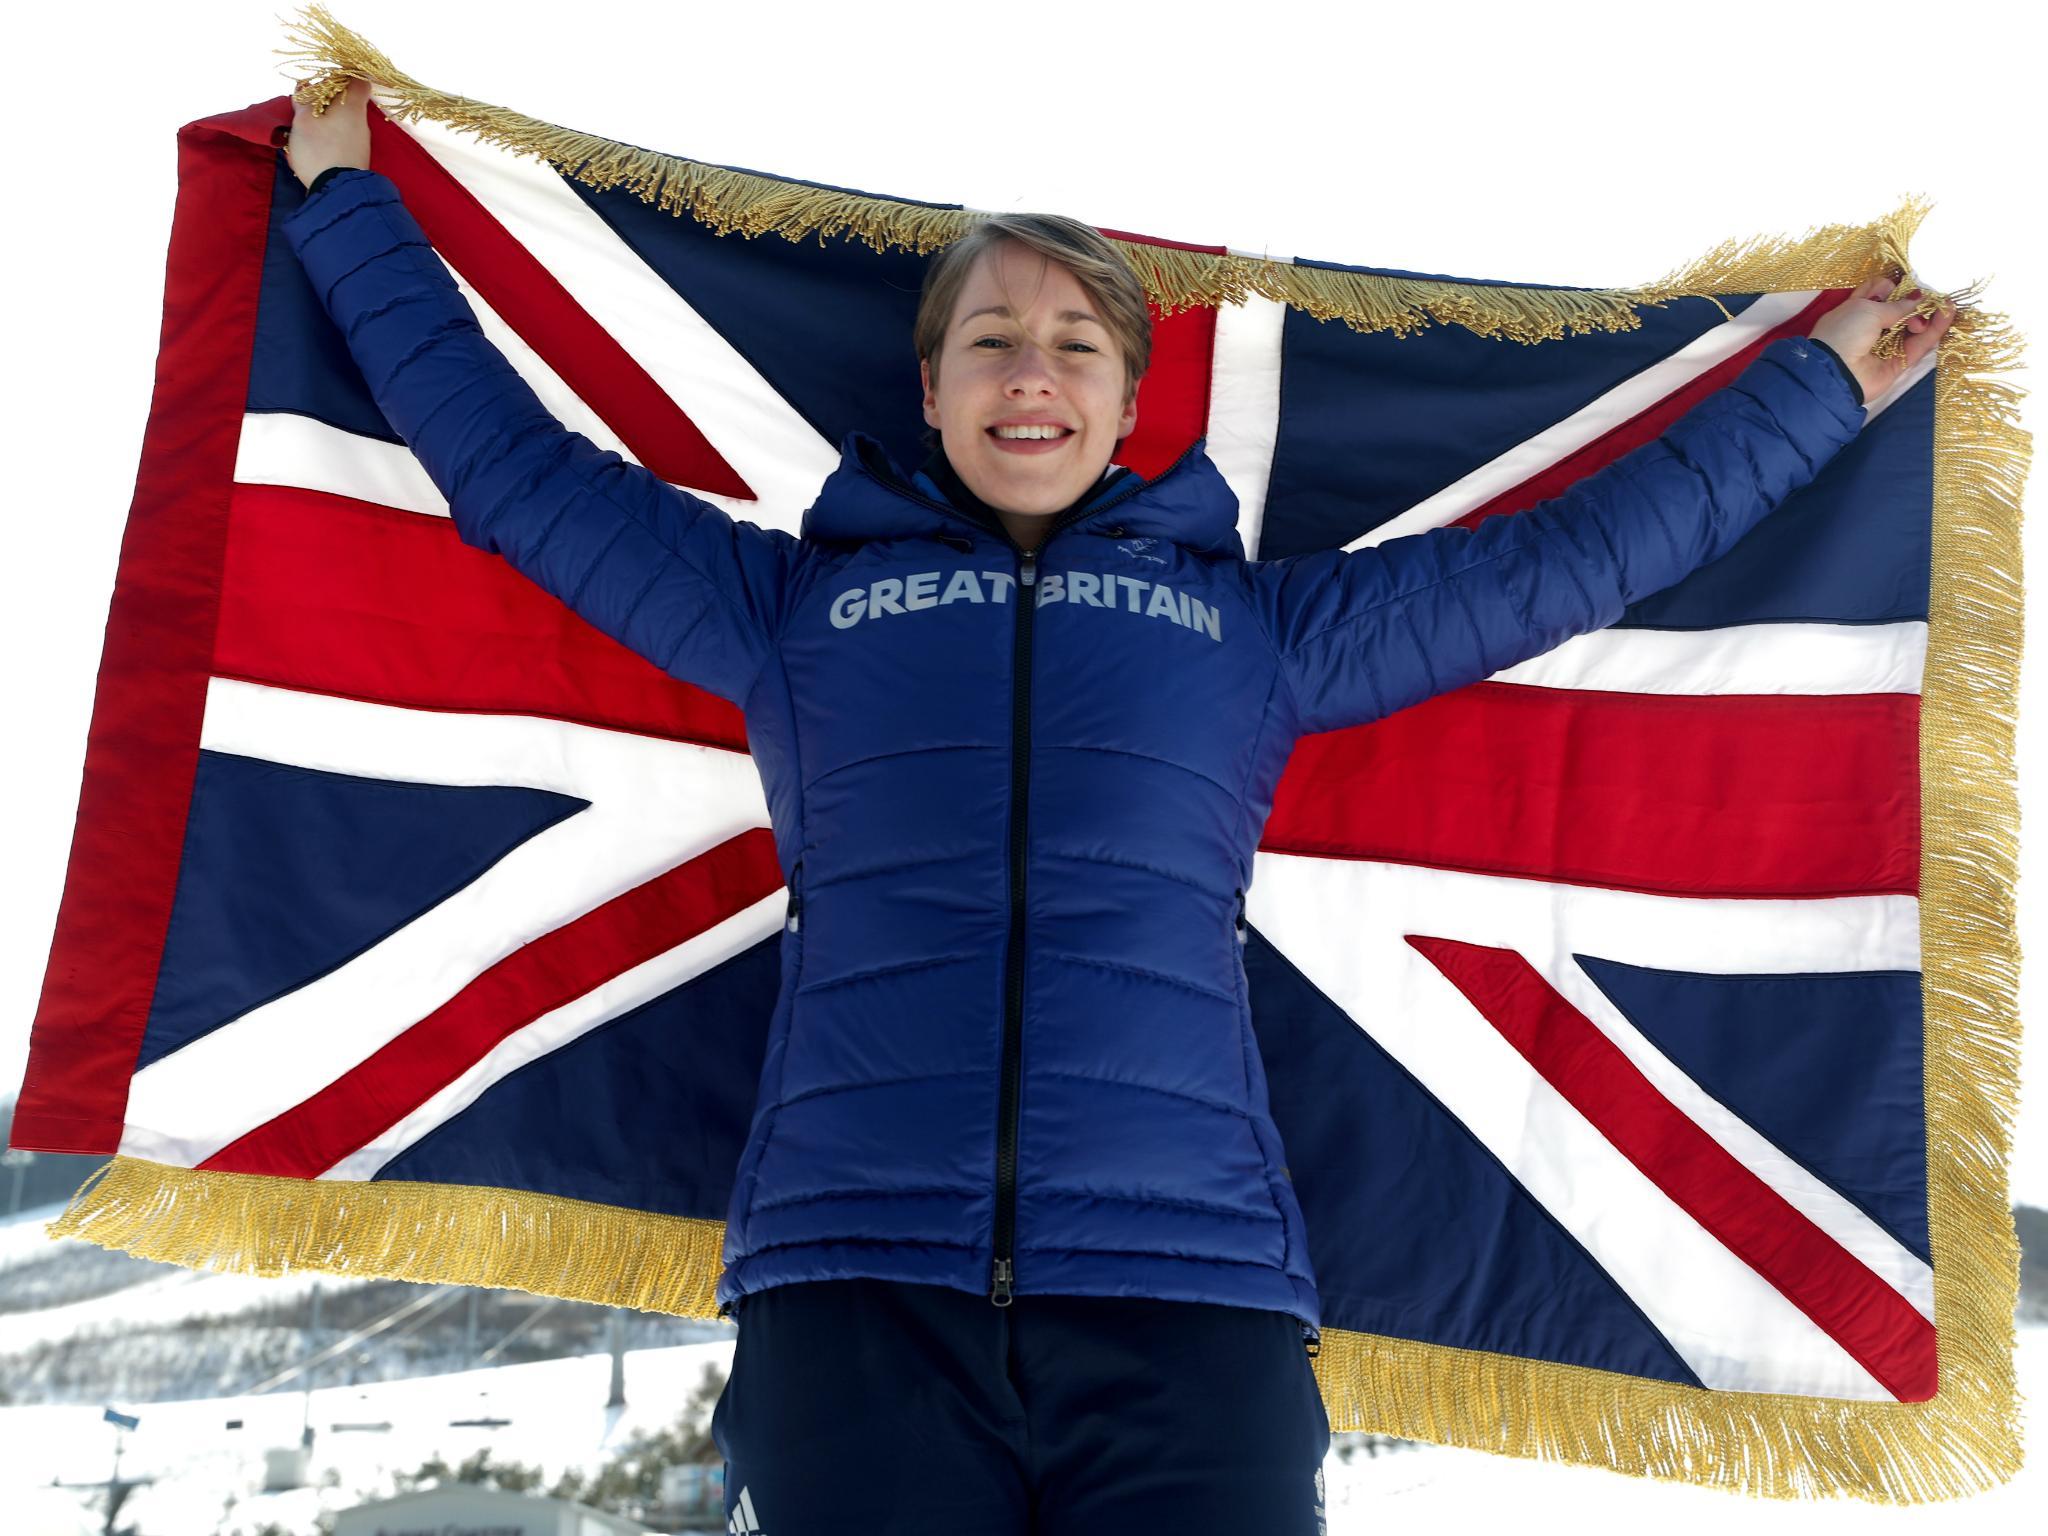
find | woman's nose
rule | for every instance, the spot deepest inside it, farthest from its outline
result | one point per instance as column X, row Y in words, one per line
column 1029, row 366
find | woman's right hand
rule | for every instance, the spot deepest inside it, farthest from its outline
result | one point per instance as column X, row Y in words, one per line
column 338, row 136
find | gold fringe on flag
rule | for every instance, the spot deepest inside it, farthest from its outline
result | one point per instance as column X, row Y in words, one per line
column 729, row 201
column 441, row 1234
column 1963, row 1440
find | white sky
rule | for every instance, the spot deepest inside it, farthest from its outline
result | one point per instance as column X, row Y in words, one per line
column 1568, row 143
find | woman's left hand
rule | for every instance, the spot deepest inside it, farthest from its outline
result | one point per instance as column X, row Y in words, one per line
column 1853, row 327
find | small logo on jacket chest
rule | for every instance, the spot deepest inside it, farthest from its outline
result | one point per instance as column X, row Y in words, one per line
column 1141, row 549
column 893, row 595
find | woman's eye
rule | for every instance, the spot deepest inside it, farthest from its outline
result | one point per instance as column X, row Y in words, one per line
column 1084, row 346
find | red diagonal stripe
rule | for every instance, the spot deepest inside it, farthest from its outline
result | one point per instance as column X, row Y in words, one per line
column 333, row 595
column 533, row 302
column 1716, row 795
column 1875, row 1324
column 1646, row 425
column 554, row 969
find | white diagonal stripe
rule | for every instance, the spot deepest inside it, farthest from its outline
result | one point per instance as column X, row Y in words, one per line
column 1625, row 401
column 285, row 448
column 654, row 804
column 564, row 1025
column 782, row 457
column 1730, row 1325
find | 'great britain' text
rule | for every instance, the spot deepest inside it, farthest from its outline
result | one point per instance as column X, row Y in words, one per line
column 907, row 594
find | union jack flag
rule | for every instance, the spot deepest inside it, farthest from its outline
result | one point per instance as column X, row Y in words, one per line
column 1590, row 995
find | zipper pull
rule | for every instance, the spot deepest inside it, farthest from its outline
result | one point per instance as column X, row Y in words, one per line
column 1029, row 575
column 1311, row 1340
column 794, row 906
column 1000, row 1295
column 1243, row 932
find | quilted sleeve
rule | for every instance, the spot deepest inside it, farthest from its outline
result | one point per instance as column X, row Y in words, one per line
column 663, row 572
column 1362, row 633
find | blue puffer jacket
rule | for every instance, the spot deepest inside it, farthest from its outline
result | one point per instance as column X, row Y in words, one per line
column 1016, row 794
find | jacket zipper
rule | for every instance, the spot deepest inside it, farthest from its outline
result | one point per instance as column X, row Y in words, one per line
column 1003, row 1271
column 1003, row 1264
column 1003, row 1261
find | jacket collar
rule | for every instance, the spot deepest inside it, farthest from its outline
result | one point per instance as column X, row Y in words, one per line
column 938, row 479
column 868, row 497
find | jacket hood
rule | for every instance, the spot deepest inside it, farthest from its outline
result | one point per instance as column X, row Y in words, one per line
column 869, row 497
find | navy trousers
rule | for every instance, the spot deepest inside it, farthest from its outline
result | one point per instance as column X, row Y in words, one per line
column 885, row 1408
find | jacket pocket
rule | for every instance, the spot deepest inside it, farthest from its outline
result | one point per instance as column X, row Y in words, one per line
column 793, row 905
column 1241, row 987
column 792, row 950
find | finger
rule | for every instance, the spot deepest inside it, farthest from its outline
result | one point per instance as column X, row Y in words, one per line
column 1917, row 347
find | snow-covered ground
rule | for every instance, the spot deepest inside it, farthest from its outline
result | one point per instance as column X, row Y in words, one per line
column 206, row 1476
column 556, row 1409
column 558, row 1419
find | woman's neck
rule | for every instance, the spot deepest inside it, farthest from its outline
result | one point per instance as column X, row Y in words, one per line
column 1027, row 529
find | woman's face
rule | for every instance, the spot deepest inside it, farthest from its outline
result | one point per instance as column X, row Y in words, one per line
column 1024, row 345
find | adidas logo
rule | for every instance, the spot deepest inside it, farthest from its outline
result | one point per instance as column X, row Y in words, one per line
column 743, row 1522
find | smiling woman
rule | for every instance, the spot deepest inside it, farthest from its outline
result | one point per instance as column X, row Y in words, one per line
column 1032, row 334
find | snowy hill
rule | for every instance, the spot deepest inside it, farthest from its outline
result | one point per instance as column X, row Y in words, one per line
column 79, row 1324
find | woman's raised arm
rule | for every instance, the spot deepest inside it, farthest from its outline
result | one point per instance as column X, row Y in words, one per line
column 1362, row 633
column 665, row 573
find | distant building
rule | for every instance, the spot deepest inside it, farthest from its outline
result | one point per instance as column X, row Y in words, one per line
column 460, row 1509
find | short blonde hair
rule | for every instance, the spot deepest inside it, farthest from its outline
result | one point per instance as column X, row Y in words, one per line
column 1096, row 264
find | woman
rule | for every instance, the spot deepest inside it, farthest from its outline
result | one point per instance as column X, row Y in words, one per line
column 1012, row 1202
